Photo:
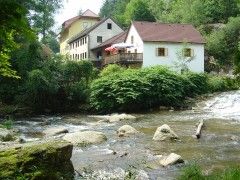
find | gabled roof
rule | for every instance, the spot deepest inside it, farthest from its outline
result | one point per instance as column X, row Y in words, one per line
column 114, row 40
column 87, row 14
column 161, row 32
column 87, row 31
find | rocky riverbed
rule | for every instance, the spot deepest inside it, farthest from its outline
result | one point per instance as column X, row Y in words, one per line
column 142, row 145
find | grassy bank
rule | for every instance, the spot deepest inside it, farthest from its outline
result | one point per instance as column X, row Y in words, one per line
column 194, row 172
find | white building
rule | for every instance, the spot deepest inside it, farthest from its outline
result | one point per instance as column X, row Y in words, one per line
column 167, row 44
column 82, row 45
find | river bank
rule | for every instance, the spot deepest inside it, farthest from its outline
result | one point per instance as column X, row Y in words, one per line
column 116, row 156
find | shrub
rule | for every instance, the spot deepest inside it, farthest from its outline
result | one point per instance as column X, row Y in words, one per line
column 137, row 89
column 222, row 83
column 111, row 69
column 59, row 85
column 118, row 92
column 197, row 83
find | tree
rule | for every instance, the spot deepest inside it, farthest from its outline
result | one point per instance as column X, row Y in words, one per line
column 114, row 9
column 13, row 23
column 138, row 10
column 42, row 16
column 223, row 44
column 218, row 11
column 52, row 42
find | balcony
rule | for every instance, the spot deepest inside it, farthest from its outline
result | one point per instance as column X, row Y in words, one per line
column 123, row 58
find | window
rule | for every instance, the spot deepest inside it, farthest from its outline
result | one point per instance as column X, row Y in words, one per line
column 109, row 25
column 135, row 50
column 78, row 56
column 86, row 40
column 99, row 39
column 132, row 39
column 161, row 52
column 187, row 52
column 85, row 55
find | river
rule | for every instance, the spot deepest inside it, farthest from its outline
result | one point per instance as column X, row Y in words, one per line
column 218, row 147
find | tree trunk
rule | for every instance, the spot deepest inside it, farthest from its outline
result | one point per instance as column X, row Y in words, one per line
column 199, row 129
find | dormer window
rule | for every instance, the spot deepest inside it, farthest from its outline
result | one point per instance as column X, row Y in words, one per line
column 109, row 25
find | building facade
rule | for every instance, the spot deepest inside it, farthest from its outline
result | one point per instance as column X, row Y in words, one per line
column 73, row 26
column 83, row 45
column 172, row 45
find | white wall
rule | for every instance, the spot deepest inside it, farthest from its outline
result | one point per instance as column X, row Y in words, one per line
column 103, row 31
column 137, row 44
column 150, row 58
column 79, row 49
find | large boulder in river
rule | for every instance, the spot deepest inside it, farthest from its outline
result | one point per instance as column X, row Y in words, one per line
column 49, row 160
column 114, row 117
column 171, row 159
column 120, row 117
column 126, row 130
column 7, row 135
column 53, row 131
column 85, row 137
column 163, row 133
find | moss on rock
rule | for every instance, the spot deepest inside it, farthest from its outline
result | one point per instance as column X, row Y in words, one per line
column 49, row 160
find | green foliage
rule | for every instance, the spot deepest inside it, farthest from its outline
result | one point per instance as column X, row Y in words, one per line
column 223, row 44
column 136, row 89
column 13, row 23
column 7, row 123
column 59, row 85
column 114, row 9
column 111, row 69
column 194, row 172
column 222, row 83
column 138, row 10
column 43, row 16
column 191, row 172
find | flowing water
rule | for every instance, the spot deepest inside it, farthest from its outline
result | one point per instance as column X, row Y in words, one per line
column 218, row 147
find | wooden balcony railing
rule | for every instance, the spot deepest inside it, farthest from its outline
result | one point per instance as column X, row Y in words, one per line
column 123, row 58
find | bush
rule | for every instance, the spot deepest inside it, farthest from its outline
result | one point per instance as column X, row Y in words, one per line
column 197, row 84
column 59, row 85
column 137, row 89
column 222, row 83
column 111, row 69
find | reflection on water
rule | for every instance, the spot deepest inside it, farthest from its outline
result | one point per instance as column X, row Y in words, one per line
column 137, row 154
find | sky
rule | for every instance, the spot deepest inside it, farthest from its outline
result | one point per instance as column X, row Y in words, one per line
column 72, row 7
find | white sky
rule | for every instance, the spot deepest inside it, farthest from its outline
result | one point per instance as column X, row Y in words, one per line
column 72, row 7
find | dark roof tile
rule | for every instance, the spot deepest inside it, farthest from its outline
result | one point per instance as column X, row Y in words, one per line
column 161, row 32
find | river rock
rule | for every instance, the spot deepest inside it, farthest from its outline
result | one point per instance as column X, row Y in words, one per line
column 126, row 130
column 85, row 137
column 7, row 135
column 114, row 117
column 171, row 159
column 163, row 133
column 48, row 160
column 120, row 117
column 235, row 138
column 53, row 131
